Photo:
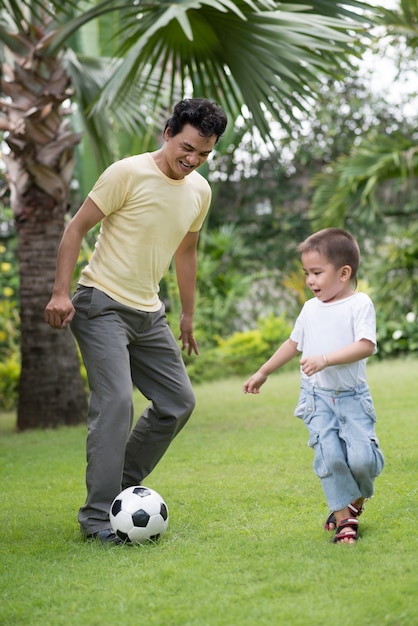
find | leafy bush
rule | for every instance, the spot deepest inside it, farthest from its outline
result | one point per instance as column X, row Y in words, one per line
column 9, row 381
column 222, row 284
column 242, row 352
column 9, row 273
column 9, row 329
column 9, row 287
column 9, row 353
column 397, row 337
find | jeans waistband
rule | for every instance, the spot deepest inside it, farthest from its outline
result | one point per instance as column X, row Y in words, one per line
column 314, row 389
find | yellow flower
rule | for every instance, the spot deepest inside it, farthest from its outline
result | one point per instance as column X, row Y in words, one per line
column 2, row 249
column 8, row 292
column 6, row 267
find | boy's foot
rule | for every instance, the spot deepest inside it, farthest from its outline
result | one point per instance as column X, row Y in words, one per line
column 347, row 531
column 355, row 509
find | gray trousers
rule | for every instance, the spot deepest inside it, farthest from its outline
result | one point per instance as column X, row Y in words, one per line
column 120, row 347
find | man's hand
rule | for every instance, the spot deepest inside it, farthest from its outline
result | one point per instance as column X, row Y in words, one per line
column 59, row 312
column 186, row 335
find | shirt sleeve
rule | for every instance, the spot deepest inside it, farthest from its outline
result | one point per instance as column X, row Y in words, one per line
column 198, row 222
column 365, row 320
column 110, row 190
column 297, row 334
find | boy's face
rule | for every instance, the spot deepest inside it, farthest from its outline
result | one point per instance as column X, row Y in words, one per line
column 327, row 282
column 184, row 152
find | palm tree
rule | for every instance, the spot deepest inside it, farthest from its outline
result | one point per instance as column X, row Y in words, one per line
column 264, row 54
column 351, row 188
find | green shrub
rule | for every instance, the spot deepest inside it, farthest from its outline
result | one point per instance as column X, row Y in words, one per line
column 241, row 353
column 9, row 382
column 246, row 350
column 9, row 329
column 275, row 330
column 243, row 347
column 206, row 367
column 9, row 268
column 397, row 337
column 9, row 289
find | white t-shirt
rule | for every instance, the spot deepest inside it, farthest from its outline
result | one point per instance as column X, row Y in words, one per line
column 323, row 327
column 147, row 215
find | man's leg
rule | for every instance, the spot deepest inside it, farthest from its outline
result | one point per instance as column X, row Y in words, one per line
column 103, row 344
column 159, row 372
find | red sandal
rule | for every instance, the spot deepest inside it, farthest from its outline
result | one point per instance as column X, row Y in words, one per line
column 354, row 510
column 352, row 533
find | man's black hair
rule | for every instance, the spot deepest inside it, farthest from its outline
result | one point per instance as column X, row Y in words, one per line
column 207, row 116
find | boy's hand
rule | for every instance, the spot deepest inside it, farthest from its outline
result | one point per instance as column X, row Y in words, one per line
column 253, row 384
column 312, row 364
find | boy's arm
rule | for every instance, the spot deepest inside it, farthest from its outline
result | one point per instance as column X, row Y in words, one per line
column 349, row 354
column 285, row 353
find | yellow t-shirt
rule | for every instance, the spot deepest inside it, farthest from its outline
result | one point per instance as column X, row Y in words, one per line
column 147, row 215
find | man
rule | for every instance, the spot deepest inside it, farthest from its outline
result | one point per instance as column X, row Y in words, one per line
column 151, row 207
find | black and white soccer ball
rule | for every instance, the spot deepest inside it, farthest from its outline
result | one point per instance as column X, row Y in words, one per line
column 138, row 514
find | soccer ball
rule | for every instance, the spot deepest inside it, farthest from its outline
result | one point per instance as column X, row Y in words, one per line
column 138, row 514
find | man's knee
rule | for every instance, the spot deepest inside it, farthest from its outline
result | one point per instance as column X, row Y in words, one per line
column 179, row 405
column 190, row 401
column 179, row 410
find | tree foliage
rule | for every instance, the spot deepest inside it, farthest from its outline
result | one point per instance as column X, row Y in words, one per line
column 266, row 55
column 373, row 188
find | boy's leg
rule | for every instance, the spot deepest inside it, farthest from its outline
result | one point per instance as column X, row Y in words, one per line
column 364, row 457
column 330, row 459
column 350, row 466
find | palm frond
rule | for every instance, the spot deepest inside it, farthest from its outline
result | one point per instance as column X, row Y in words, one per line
column 88, row 75
column 25, row 14
column 402, row 21
column 270, row 59
column 349, row 186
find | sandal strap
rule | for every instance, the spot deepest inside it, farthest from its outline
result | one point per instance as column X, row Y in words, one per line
column 352, row 533
column 355, row 510
column 330, row 520
column 348, row 521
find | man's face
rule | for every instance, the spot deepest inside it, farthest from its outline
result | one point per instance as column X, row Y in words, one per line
column 185, row 152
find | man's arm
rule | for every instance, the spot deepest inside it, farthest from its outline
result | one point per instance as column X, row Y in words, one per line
column 60, row 311
column 185, row 260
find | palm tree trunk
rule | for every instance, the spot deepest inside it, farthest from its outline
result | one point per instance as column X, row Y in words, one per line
column 39, row 170
column 51, row 391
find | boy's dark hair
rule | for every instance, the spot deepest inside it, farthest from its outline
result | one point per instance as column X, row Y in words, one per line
column 203, row 114
column 337, row 245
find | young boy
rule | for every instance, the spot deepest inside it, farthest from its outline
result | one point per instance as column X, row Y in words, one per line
column 336, row 332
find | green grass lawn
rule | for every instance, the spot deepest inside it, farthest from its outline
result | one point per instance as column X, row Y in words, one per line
column 245, row 543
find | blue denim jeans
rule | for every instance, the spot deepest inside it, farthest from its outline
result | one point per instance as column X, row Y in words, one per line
column 341, row 426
